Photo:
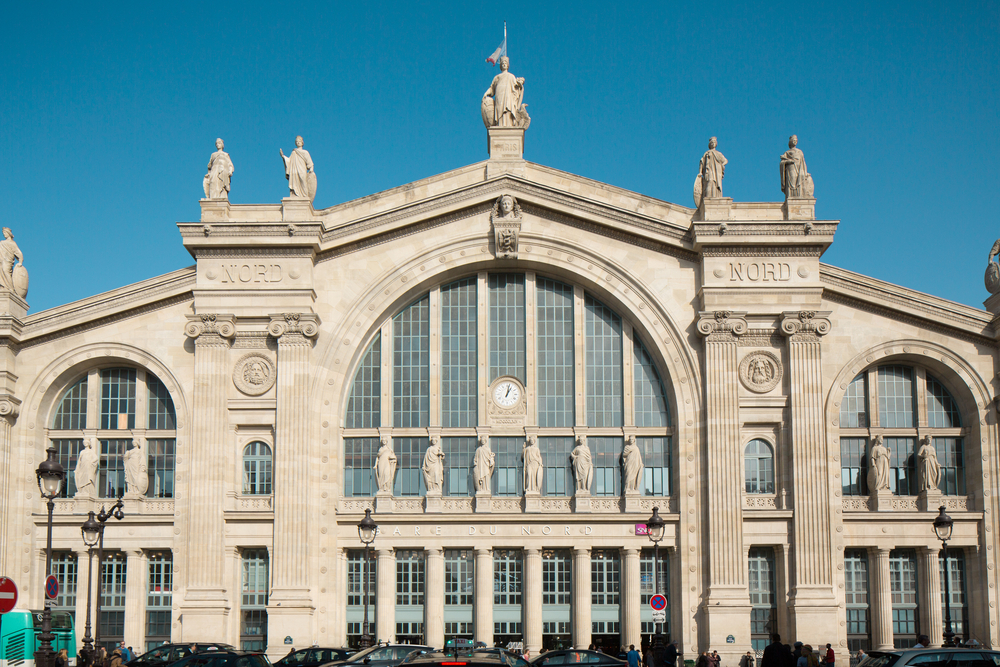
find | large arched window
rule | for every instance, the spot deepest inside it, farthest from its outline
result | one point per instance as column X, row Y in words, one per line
column 508, row 351
column 894, row 401
column 758, row 467
column 257, row 469
column 130, row 410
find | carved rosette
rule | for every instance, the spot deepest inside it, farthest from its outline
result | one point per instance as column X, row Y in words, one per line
column 760, row 371
column 506, row 220
column 806, row 324
column 722, row 325
column 210, row 326
column 253, row 374
column 294, row 325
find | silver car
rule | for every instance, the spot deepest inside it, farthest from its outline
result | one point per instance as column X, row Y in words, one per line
column 934, row 657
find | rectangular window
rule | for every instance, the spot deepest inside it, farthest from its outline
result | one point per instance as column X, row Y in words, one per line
column 111, row 478
column 607, row 453
column 508, row 477
column 458, row 456
column 557, row 579
column 763, row 598
column 67, row 452
column 113, row 578
column 356, row 572
column 160, row 465
column 458, row 577
column 64, row 567
column 409, row 577
column 856, row 597
column 558, row 467
column 895, row 397
column 555, row 329
column 605, row 577
column 952, row 460
column 657, row 459
column 159, row 598
column 603, row 331
column 853, row 467
column 118, row 399
column 507, row 333
column 854, row 408
column 507, row 576
column 160, row 415
column 411, row 365
column 647, row 583
column 958, row 601
column 903, row 589
column 902, row 474
column 359, row 457
column 409, row 462
column 253, row 608
column 459, row 361
column 72, row 412
column 365, row 404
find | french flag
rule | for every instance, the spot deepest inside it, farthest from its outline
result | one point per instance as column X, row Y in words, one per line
column 500, row 52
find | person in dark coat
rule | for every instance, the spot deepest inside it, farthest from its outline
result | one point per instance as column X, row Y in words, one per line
column 776, row 654
column 670, row 657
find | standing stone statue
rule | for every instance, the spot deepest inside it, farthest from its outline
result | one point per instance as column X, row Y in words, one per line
column 484, row 464
column 136, row 471
column 712, row 169
column 299, row 172
column 583, row 465
column 795, row 180
column 13, row 277
column 220, row 171
column 930, row 468
column 503, row 100
column 992, row 278
column 534, row 468
column 85, row 472
column 434, row 467
column 878, row 466
column 385, row 466
column 632, row 456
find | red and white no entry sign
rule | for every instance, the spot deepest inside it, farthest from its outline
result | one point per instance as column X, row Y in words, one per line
column 8, row 594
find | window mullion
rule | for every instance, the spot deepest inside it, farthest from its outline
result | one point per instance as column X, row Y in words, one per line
column 386, row 372
column 920, row 380
column 483, row 351
column 579, row 356
column 874, row 410
column 434, row 376
column 93, row 400
column 141, row 398
column 530, row 349
column 628, row 376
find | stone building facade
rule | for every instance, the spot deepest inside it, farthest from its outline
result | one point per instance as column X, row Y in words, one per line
column 259, row 384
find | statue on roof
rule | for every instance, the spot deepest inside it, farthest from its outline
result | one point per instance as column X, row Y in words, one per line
column 503, row 102
column 992, row 278
column 220, row 171
column 299, row 171
column 13, row 277
column 795, row 180
column 711, row 170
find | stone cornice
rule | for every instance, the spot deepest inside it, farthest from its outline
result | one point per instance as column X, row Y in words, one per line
column 304, row 324
column 223, row 326
column 722, row 325
column 805, row 324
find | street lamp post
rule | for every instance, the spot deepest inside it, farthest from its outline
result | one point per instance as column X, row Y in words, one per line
column 50, row 476
column 943, row 525
column 366, row 531
column 91, row 530
column 655, row 528
column 102, row 517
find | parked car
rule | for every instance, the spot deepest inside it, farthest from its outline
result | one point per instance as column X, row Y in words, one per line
column 313, row 657
column 224, row 658
column 934, row 657
column 574, row 657
column 386, row 655
column 465, row 657
column 168, row 653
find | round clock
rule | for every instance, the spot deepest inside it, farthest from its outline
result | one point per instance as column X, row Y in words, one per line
column 506, row 393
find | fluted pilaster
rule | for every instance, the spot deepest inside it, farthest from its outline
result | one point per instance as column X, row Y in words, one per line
column 533, row 600
column 9, row 407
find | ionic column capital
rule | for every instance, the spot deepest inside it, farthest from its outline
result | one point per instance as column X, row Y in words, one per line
column 223, row 326
column 306, row 324
column 722, row 325
column 10, row 407
column 805, row 324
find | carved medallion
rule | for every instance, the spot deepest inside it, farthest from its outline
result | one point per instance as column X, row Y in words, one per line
column 253, row 374
column 506, row 219
column 760, row 371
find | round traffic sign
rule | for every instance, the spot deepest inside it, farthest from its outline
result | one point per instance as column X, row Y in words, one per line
column 8, row 594
column 51, row 587
column 658, row 602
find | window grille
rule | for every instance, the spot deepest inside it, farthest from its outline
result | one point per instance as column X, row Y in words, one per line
column 651, row 407
column 459, row 360
column 160, row 460
column 458, row 459
column 603, row 354
column 507, row 332
column 118, row 399
column 160, row 416
column 411, row 365
column 758, row 460
column 72, row 412
column 507, row 576
column 508, row 476
column 409, row 463
column 359, row 457
column 365, row 404
column 554, row 335
column 459, row 584
column 253, row 609
column 257, row 469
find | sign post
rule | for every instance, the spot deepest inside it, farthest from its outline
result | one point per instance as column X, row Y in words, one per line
column 8, row 594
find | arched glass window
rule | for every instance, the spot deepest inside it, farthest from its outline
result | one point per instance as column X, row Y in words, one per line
column 118, row 412
column 557, row 355
column 257, row 469
column 906, row 396
column 758, row 462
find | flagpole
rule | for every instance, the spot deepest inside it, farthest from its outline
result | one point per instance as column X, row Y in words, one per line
column 505, row 39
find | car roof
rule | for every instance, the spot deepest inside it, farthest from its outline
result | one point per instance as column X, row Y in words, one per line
column 467, row 656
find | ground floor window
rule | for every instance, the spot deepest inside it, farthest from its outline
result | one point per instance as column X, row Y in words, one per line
column 763, row 598
column 958, row 603
column 64, row 567
column 253, row 608
column 459, row 591
column 360, row 569
column 903, row 584
column 112, row 620
column 159, row 596
column 647, row 585
column 856, row 599
column 410, row 581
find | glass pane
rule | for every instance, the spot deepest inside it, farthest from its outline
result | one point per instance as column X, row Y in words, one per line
column 118, row 398
column 651, row 407
column 409, row 465
column 257, row 469
column 854, row 406
column 558, row 470
column 160, row 467
column 160, row 415
column 853, row 466
column 555, row 354
column 606, row 453
column 603, row 345
column 507, row 337
column 411, row 365
column 365, row 404
column 459, row 361
column 508, row 477
column 895, row 396
column 359, row 457
column 72, row 412
column 942, row 412
column 458, row 458
column 658, row 462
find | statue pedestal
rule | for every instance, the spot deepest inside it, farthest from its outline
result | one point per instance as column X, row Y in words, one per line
column 716, row 208
column 532, row 502
column 506, row 149
column 633, row 501
column 581, row 501
column 296, row 209
column 12, row 304
column 484, row 501
column 433, row 503
column 930, row 501
column 800, row 208
column 881, row 501
column 383, row 502
column 992, row 304
column 214, row 210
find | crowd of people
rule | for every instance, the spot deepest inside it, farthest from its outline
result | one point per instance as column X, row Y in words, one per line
column 100, row 657
column 777, row 654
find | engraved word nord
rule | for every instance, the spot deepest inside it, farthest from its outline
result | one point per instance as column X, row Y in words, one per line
column 760, row 272
column 251, row 273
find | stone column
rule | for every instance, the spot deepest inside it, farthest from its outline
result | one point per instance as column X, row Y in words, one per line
column 881, row 599
column 434, row 598
column 385, row 596
column 484, row 596
column 532, row 600
column 135, row 599
column 581, row 597
column 727, row 607
column 630, row 599
column 290, row 606
column 205, row 609
column 813, row 602
column 929, row 583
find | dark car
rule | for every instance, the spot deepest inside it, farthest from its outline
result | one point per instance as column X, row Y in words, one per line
column 574, row 657
column 224, row 658
column 168, row 653
column 386, row 655
column 465, row 657
column 313, row 657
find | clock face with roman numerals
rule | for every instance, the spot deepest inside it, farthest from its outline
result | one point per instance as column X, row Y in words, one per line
column 506, row 393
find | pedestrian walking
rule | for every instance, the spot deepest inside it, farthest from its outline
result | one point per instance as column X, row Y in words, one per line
column 829, row 659
column 633, row 656
column 670, row 656
column 776, row 654
column 714, row 657
column 703, row 660
column 860, row 656
column 747, row 660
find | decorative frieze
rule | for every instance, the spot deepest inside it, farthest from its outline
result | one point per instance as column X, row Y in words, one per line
column 752, row 502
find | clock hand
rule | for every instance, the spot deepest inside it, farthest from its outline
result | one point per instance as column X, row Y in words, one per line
column 508, row 392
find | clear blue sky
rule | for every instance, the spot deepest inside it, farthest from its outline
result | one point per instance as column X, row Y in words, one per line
column 110, row 111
